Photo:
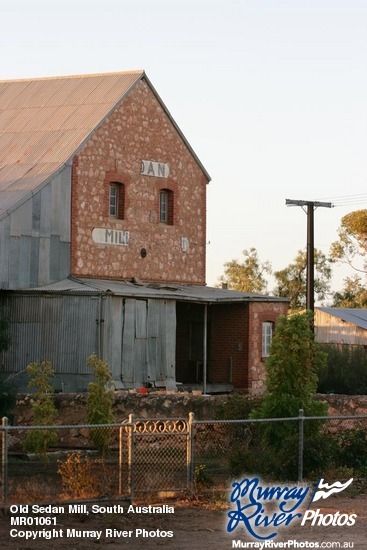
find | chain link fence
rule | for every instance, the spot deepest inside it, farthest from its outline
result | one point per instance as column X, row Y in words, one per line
column 120, row 461
column 282, row 449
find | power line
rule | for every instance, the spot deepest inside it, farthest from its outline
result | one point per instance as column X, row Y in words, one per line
column 348, row 200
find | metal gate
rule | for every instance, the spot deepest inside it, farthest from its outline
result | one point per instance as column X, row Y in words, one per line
column 159, row 455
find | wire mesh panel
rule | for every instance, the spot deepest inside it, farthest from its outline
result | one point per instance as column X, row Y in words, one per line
column 342, row 449
column 52, row 463
column 159, row 455
column 58, row 463
column 228, row 450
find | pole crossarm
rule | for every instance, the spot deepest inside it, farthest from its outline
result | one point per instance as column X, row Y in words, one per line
column 314, row 204
column 310, row 282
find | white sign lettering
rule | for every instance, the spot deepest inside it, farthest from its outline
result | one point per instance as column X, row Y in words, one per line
column 185, row 243
column 156, row 169
column 110, row 236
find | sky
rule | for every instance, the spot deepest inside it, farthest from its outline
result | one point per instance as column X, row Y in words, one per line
column 271, row 95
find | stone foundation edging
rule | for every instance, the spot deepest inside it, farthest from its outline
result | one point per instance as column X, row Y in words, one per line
column 72, row 408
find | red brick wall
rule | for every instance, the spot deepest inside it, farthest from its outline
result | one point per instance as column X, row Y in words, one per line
column 236, row 338
column 137, row 130
column 229, row 325
column 260, row 312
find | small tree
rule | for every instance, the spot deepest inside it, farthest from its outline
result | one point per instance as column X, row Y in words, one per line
column 44, row 411
column 352, row 243
column 291, row 385
column 291, row 281
column 100, row 402
column 353, row 293
column 248, row 275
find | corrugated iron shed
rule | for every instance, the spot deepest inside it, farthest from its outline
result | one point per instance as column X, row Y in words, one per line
column 200, row 294
column 44, row 122
column 356, row 316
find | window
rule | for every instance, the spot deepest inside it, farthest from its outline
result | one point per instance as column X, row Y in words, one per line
column 163, row 207
column 166, row 206
column 117, row 200
column 267, row 336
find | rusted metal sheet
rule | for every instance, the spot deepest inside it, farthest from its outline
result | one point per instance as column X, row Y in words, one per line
column 43, row 122
column 35, row 237
column 60, row 329
column 148, row 354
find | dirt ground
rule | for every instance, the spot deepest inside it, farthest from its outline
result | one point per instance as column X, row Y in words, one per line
column 195, row 525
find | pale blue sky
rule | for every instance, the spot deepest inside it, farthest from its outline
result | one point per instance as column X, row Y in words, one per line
column 271, row 94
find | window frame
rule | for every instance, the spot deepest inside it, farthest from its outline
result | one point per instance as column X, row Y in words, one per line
column 166, row 206
column 116, row 200
column 163, row 206
column 113, row 202
column 267, row 331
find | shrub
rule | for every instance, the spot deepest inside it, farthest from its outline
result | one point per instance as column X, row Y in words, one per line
column 202, row 478
column 290, row 386
column 83, row 477
column 345, row 371
column 100, row 402
column 236, row 407
column 352, row 449
column 43, row 408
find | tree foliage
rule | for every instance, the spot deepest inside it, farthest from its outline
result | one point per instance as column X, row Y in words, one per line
column 248, row 275
column 291, row 385
column 346, row 370
column 295, row 357
column 291, row 281
column 352, row 240
column 353, row 294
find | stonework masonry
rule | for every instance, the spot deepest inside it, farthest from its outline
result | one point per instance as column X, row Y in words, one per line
column 72, row 408
column 139, row 129
column 260, row 312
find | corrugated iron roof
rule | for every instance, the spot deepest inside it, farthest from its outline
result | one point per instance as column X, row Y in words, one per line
column 204, row 294
column 356, row 316
column 44, row 122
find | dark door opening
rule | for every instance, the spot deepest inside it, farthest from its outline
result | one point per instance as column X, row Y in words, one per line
column 189, row 343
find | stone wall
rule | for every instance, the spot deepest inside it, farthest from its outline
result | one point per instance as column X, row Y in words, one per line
column 260, row 312
column 345, row 405
column 139, row 129
column 72, row 407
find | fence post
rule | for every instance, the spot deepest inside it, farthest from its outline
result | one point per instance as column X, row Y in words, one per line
column 4, row 459
column 300, row 445
column 120, row 459
column 190, row 453
column 130, row 460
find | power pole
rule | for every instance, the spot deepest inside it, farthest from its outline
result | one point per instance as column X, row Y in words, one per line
column 310, row 279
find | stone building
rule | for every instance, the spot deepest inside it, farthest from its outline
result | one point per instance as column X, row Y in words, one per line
column 102, row 242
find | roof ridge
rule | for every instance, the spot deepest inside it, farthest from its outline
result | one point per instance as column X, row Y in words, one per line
column 60, row 77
